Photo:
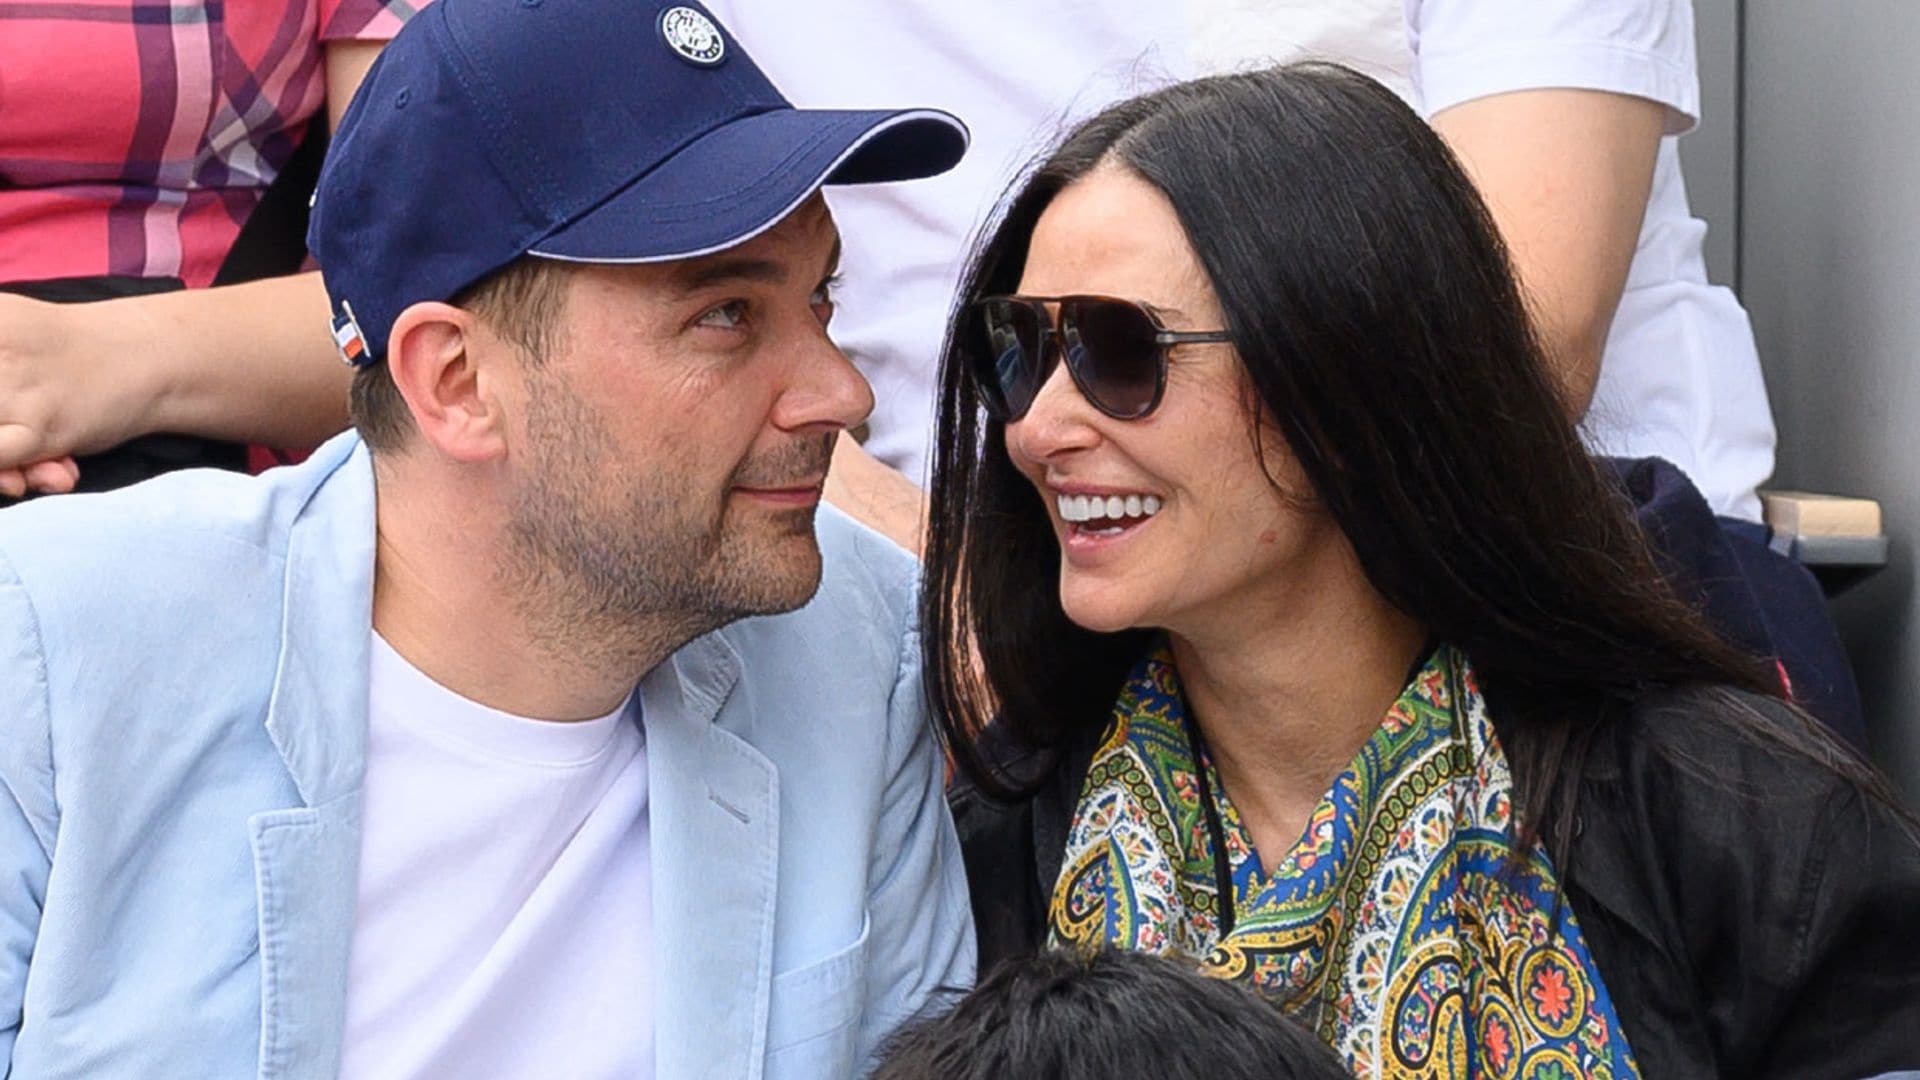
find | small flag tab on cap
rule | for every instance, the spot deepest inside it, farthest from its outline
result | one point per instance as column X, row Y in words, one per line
column 348, row 338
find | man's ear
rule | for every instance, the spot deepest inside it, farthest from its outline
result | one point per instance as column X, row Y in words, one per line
column 445, row 363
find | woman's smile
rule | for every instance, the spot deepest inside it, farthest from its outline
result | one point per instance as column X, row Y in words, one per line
column 1095, row 528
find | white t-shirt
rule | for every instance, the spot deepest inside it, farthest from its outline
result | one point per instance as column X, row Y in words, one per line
column 505, row 916
column 1680, row 377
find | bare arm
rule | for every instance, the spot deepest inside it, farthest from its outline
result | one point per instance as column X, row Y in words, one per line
column 249, row 363
column 1566, row 174
column 873, row 494
column 347, row 63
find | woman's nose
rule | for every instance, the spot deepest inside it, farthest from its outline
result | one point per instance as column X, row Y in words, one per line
column 1058, row 421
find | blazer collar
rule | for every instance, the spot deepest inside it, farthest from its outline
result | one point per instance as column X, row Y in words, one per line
column 317, row 716
column 306, row 858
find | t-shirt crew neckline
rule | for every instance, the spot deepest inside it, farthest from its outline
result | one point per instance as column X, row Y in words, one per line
column 461, row 725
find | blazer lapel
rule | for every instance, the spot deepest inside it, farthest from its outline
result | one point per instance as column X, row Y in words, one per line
column 715, row 833
column 306, row 859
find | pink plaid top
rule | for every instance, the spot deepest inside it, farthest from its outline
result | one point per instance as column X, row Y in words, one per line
column 136, row 135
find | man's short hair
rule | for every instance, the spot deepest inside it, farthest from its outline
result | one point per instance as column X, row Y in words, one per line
column 1108, row 1016
column 521, row 302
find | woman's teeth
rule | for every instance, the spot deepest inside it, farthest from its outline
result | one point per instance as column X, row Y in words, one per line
column 1108, row 511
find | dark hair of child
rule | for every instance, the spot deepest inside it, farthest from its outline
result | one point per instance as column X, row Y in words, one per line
column 1107, row 1016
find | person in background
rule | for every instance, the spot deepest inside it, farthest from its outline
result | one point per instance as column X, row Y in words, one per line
column 1278, row 619
column 1566, row 113
column 136, row 147
column 1107, row 1015
column 453, row 751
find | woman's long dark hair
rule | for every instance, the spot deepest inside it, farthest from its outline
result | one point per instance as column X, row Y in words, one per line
column 1379, row 324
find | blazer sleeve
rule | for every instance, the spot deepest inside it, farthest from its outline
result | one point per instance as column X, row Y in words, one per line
column 997, row 843
column 1852, row 1007
column 1796, row 894
column 920, row 931
column 27, row 814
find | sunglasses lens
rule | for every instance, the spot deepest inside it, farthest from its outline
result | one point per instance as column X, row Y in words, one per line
column 1007, row 371
column 1113, row 354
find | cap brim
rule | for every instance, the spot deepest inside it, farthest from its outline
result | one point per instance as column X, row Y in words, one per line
column 741, row 179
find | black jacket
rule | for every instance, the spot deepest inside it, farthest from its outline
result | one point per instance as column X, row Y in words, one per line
column 1751, row 914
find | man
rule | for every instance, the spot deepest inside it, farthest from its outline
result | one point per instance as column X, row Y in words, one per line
column 344, row 768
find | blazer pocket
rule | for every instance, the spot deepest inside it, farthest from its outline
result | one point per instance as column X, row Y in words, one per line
column 814, row 1012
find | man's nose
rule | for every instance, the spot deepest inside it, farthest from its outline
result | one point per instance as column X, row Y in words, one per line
column 826, row 391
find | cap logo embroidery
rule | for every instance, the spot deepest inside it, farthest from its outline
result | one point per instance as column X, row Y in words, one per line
column 692, row 36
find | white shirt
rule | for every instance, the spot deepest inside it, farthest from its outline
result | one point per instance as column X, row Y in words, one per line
column 1680, row 377
column 503, row 925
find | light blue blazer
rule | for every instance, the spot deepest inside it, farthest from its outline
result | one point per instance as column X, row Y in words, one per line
column 183, row 698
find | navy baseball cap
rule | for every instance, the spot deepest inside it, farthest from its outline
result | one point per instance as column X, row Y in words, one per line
column 606, row 131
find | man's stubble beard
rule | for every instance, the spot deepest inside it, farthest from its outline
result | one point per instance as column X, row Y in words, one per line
column 606, row 574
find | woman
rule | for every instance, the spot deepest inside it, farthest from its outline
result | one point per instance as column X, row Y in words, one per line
column 1566, row 114
column 1287, row 625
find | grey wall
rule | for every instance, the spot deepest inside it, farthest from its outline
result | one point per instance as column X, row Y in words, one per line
column 1710, row 153
column 1830, row 270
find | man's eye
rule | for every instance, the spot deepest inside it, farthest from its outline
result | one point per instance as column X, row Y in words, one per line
column 727, row 316
column 822, row 298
